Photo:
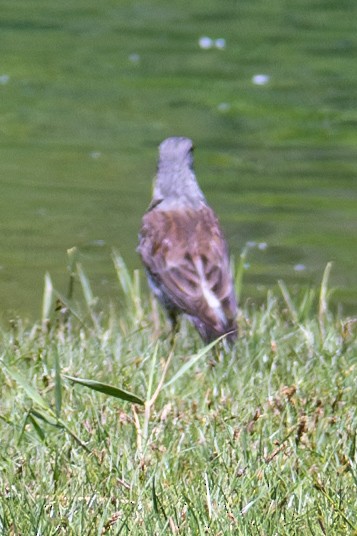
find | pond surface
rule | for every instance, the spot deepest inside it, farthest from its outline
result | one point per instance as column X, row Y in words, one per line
column 88, row 89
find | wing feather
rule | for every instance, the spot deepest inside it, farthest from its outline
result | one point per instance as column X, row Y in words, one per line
column 186, row 254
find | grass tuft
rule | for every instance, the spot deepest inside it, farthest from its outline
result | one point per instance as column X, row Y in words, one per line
column 259, row 439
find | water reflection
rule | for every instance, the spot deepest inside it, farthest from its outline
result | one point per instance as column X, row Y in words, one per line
column 86, row 95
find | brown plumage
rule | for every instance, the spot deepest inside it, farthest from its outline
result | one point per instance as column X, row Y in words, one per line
column 183, row 249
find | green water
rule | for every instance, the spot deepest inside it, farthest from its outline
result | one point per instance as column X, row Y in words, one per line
column 88, row 89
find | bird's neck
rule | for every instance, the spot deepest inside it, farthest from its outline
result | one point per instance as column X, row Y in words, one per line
column 177, row 186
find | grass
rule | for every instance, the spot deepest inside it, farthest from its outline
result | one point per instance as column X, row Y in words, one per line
column 108, row 428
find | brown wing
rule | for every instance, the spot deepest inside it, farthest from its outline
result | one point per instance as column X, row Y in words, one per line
column 186, row 253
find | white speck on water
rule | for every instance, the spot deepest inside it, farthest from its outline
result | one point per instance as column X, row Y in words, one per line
column 4, row 79
column 251, row 244
column 134, row 58
column 205, row 42
column 220, row 43
column 260, row 79
column 262, row 246
column 42, row 211
column 95, row 155
column 299, row 267
column 224, row 106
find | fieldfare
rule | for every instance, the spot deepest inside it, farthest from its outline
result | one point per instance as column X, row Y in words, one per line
column 183, row 249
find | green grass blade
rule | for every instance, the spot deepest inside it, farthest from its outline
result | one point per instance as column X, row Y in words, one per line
column 37, row 427
column 154, row 498
column 47, row 300
column 72, row 254
column 192, row 362
column 323, row 305
column 288, row 301
column 58, row 385
column 107, row 389
column 43, row 417
column 240, row 272
column 86, row 288
column 123, row 275
column 69, row 306
column 58, row 423
column 152, row 372
column 29, row 389
column 88, row 295
column 137, row 294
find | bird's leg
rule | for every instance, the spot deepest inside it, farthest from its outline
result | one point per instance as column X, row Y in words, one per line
column 174, row 326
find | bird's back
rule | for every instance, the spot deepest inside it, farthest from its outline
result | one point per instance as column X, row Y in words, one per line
column 186, row 256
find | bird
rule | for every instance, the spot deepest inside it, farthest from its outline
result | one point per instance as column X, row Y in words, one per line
column 183, row 250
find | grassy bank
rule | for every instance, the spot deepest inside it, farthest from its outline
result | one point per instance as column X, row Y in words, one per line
column 258, row 440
